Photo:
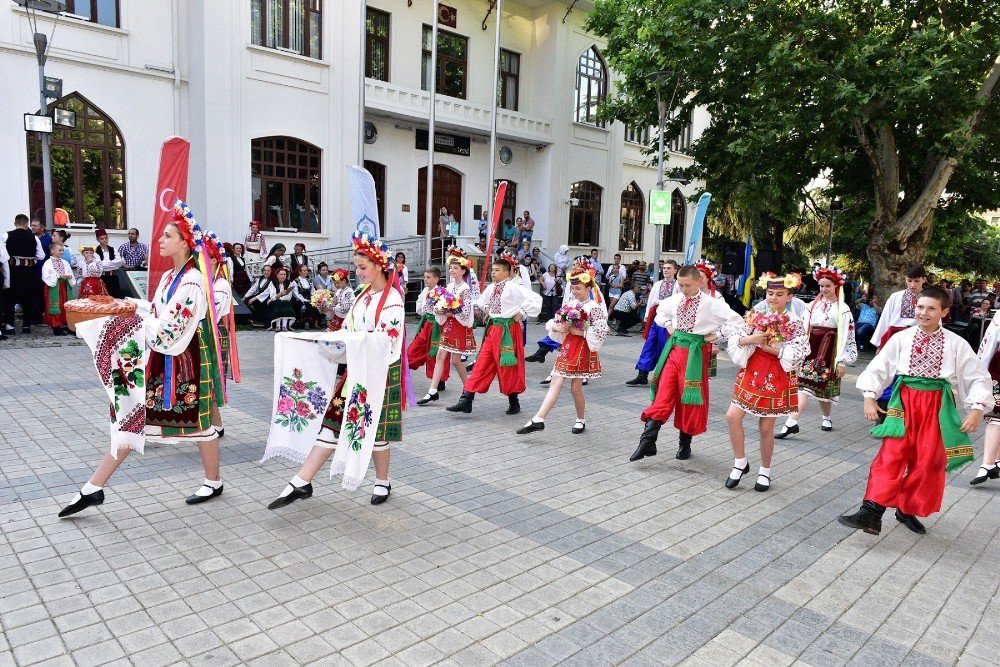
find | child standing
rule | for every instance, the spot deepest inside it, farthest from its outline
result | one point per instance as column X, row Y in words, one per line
column 59, row 281
column 769, row 349
column 581, row 340
column 90, row 273
column 691, row 320
column 343, row 297
column 424, row 347
column 923, row 435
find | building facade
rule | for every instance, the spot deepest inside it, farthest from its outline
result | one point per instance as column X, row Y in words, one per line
column 269, row 94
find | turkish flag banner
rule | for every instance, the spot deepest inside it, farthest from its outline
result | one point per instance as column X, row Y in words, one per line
column 170, row 186
column 494, row 230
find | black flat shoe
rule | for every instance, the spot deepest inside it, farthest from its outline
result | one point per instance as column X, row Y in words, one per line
column 379, row 499
column 428, row 398
column 531, row 427
column 578, row 428
column 911, row 522
column 762, row 487
column 195, row 499
column 547, row 380
column 786, row 431
column 86, row 500
column 442, row 387
column 470, row 366
column 824, row 427
column 993, row 473
column 298, row 493
column 732, row 483
column 220, row 432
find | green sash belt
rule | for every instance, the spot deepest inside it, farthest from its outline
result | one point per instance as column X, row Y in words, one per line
column 54, row 308
column 435, row 333
column 958, row 447
column 692, row 372
column 507, row 357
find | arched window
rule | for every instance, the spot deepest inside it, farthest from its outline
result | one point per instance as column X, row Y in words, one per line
column 585, row 214
column 591, row 86
column 674, row 233
column 633, row 210
column 285, row 183
column 509, row 210
column 88, row 167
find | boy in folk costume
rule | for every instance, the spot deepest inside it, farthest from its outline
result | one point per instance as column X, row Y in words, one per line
column 90, row 272
column 455, row 322
column 655, row 335
column 424, row 347
column 832, row 348
column 183, row 375
column 377, row 310
column 768, row 348
column 989, row 356
column 923, row 435
column 692, row 320
column 506, row 303
column 59, row 280
column 580, row 327
column 898, row 314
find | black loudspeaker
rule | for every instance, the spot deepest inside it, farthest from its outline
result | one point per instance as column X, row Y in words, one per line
column 768, row 260
column 732, row 257
column 477, row 212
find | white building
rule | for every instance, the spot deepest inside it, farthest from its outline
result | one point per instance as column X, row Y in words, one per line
column 267, row 91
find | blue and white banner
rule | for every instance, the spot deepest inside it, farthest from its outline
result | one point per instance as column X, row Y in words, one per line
column 699, row 223
column 364, row 202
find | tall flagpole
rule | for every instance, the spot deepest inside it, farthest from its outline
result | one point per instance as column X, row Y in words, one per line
column 361, row 92
column 432, row 84
column 493, row 126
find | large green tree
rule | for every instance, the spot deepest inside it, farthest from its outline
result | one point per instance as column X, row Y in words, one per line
column 892, row 101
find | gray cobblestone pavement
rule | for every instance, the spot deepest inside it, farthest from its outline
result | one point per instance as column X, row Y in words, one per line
column 535, row 550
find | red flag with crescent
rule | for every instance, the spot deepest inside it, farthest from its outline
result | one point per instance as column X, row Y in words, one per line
column 170, row 186
column 494, row 229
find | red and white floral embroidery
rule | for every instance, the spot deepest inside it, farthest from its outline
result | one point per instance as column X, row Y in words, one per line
column 687, row 313
column 907, row 309
column 496, row 298
column 927, row 354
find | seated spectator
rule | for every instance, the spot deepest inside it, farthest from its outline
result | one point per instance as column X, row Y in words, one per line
column 979, row 292
column 626, row 310
column 867, row 319
column 524, row 251
column 508, row 231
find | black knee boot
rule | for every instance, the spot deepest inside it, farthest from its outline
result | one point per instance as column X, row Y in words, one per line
column 464, row 403
column 684, row 450
column 641, row 379
column 539, row 355
column 868, row 518
column 647, row 441
column 514, row 406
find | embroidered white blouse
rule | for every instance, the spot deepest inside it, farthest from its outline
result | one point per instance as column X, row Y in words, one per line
column 54, row 268
column 824, row 314
column 791, row 354
column 174, row 322
column 597, row 330
column 361, row 317
column 508, row 298
column 223, row 293
column 464, row 316
column 701, row 314
column 661, row 290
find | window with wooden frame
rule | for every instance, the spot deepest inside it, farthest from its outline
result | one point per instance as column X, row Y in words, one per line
column 452, row 63
column 88, row 167
column 591, row 87
column 104, row 12
column 295, row 26
column 377, row 170
column 285, row 183
column 508, row 92
column 632, row 212
column 377, row 44
column 509, row 210
column 585, row 214
column 674, row 233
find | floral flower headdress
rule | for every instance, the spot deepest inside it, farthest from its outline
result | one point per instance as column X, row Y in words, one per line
column 214, row 247
column 85, row 247
column 707, row 269
column 459, row 256
column 769, row 280
column 584, row 272
column 831, row 273
column 508, row 259
column 339, row 274
column 188, row 226
column 373, row 249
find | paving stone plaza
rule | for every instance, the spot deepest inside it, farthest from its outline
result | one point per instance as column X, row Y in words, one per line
column 494, row 548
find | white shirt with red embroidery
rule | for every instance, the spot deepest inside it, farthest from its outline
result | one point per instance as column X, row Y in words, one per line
column 823, row 313
column 701, row 314
column 898, row 312
column 791, row 353
column 597, row 327
column 508, row 298
column 661, row 290
column 464, row 315
column 175, row 320
column 362, row 317
column 942, row 354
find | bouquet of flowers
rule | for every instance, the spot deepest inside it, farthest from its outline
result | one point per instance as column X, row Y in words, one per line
column 574, row 316
column 777, row 326
column 443, row 300
column 320, row 298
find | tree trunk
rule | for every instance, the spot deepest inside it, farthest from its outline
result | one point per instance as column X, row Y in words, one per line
column 890, row 256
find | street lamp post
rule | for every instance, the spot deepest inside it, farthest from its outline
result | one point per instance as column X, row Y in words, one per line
column 835, row 205
column 41, row 46
column 661, row 106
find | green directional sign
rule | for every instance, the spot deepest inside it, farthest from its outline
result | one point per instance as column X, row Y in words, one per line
column 659, row 207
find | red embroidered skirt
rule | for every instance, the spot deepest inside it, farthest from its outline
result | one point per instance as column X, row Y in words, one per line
column 764, row 388
column 456, row 337
column 818, row 375
column 92, row 287
column 576, row 360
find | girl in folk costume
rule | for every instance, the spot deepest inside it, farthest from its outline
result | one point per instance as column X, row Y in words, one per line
column 424, row 347
column 256, row 297
column 506, row 303
column 692, row 320
column 989, row 356
column 276, row 258
column 378, row 310
column 223, row 294
column 923, row 435
column 655, row 335
column 302, row 292
column 59, row 280
column 280, row 310
column 832, row 348
column 183, row 375
column 547, row 344
column 238, row 267
column 580, row 327
column 769, row 348
column 89, row 268
column 341, row 302
column 455, row 320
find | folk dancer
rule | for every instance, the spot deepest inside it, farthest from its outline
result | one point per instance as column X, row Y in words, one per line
column 183, row 375
column 898, row 314
column 547, row 344
column 456, row 337
column 769, row 354
column 692, row 320
column 989, row 356
column 280, row 310
column 655, row 335
column 89, row 273
column 923, row 436
column 378, row 310
column 254, row 243
column 832, row 348
column 424, row 347
column 223, row 295
column 59, row 281
column 506, row 303
column 580, row 329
